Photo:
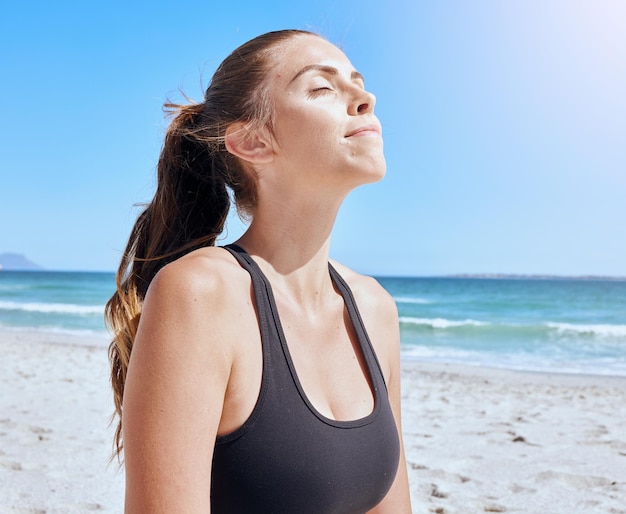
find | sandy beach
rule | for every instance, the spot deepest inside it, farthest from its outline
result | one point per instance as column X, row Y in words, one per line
column 477, row 439
column 487, row 440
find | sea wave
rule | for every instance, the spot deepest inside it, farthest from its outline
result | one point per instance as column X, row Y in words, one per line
column 441, row 322
column 54, row 308
column 602, row 330
column 548, row 329
column 408, row 299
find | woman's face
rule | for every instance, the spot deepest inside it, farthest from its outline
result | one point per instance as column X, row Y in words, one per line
column 324, row 124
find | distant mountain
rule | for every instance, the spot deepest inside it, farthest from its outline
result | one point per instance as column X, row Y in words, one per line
column 17, row 262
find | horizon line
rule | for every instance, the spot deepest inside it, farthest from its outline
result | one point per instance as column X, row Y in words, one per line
column 485, row 276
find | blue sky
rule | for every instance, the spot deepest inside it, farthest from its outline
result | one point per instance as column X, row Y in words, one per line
column 504, row 126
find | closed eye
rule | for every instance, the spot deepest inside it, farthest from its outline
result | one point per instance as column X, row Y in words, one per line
column 320, row 89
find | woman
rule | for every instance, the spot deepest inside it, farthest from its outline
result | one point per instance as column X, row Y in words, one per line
column 254, row 383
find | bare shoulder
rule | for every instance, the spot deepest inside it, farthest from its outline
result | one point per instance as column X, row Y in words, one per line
column 194, row 302
column 368, row 293
column 207, row 272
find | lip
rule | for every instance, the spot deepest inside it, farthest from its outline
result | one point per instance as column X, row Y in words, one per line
column 365, row 130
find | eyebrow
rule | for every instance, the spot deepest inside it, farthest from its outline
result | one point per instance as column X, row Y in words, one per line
column 330, row 70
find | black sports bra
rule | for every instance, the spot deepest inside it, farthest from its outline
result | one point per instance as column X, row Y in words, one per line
column 287, row 457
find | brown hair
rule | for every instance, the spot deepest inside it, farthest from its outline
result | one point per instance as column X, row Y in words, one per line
column 191, row 202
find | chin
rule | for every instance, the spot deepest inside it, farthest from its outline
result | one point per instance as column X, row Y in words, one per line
column 370, row 176
column 376, row 171
column 364, row 171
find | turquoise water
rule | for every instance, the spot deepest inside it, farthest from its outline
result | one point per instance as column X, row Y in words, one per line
column 54, row 300
column 545, row 325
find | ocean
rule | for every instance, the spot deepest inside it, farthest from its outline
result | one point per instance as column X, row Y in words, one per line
column 55, row 300
column 569, row 326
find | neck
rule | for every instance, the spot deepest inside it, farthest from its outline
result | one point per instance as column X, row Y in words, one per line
column 290, row 240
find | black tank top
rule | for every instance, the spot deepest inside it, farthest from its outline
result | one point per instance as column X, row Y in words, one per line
column 287, row 458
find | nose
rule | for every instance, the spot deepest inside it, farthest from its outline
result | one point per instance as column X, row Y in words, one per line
column 363, row 103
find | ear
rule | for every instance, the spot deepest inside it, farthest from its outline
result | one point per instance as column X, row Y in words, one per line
column 251, row 145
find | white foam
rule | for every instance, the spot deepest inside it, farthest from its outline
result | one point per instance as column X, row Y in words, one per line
column 58, row 308
column 603, row 330
column 441, row 322
column 407, row 299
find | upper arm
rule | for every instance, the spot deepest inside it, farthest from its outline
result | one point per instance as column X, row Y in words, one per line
column 380, row 316
column 174, row 393
column 398, row 499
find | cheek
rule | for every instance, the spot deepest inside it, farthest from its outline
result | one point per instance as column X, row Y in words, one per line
column 305, row 133
column 307, row 136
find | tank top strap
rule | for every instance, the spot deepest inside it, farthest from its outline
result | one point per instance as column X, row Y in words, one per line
column 247, row 263
column 262, row 293
column 260, row 284
column 363, row 338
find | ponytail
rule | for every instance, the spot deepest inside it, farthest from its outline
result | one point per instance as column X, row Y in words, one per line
column 188, row 211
